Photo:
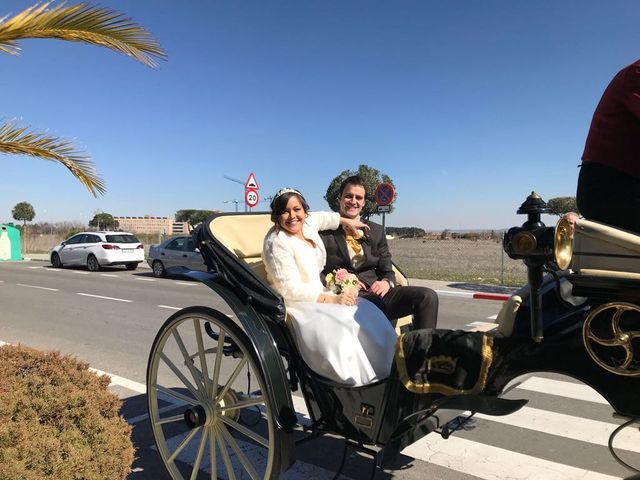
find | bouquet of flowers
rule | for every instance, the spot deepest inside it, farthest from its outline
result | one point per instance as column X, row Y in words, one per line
column 340, row 280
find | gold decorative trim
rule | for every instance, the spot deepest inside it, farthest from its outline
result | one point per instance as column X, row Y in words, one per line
column 620, row 339
column 409, row 384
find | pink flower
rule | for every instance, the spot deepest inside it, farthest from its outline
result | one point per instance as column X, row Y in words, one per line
column 341, row 275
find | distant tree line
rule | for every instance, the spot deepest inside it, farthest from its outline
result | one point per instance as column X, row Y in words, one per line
column 406, row 232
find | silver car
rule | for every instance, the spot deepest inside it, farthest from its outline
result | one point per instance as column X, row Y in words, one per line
column 175, row 252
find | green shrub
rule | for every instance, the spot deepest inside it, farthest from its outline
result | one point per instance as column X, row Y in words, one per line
column 58, row 420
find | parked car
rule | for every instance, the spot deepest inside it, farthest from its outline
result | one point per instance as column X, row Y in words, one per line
column 175, row 252
column 99, row 249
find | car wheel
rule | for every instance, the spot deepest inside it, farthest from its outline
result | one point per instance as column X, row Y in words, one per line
column 55, row 260
column 158, row 269
column 92, row 264
column 131, row 266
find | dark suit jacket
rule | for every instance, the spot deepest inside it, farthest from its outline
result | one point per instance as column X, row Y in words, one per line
column 377, row 264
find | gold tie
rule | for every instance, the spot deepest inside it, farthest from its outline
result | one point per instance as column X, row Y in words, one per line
column 354, row 244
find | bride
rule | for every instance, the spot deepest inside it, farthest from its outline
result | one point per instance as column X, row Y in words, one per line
column 342, row 337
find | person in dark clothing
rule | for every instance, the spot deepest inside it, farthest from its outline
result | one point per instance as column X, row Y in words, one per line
column 609, row 180
column 369, row 258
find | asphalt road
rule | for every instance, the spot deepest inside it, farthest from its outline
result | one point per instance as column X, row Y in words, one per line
column 110, row 319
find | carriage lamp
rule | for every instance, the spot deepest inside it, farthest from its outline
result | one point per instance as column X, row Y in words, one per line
column 537, row 244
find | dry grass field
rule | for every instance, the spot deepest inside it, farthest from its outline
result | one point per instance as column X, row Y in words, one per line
column 454, row 259
column 458, row 260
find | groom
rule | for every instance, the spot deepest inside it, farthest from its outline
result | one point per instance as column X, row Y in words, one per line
column 369, row 258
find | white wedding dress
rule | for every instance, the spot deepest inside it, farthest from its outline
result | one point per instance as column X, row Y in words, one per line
column 349, row 345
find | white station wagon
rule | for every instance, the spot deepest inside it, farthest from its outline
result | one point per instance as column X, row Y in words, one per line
column 99, row 249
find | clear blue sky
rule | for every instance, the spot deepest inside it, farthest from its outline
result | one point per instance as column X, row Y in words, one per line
column 466, row 105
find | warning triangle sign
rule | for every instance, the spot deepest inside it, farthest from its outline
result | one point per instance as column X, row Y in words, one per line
column 251, row 182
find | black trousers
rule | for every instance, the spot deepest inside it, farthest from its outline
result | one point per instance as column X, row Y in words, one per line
column 421, row 302
column 609, row 196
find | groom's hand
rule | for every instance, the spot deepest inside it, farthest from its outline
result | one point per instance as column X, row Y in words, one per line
column 380, row 288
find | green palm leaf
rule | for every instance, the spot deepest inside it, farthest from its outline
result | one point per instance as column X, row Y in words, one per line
column 21, row 141
column 81, row 23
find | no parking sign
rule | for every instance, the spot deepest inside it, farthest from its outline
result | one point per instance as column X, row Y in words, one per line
column 384, row 194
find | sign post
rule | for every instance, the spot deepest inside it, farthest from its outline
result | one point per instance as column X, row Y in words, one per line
column 384, row 196
column 251, row 197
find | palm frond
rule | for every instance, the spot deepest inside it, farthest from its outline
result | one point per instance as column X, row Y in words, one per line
column 81, row 23
column 21, row 141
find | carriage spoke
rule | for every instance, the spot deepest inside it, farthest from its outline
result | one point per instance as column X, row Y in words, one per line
column 225, row 455
column 247, row 432
column 189, row 362
column 194, row 391
column 212, row 454
column 183, row 444
column 250, row 402
column 175, row 418
column 177, row 396
column 201, row 352
column 196, row 463
column 628, row 359
column 241, row 456
column 216, row 368
column 232, row 379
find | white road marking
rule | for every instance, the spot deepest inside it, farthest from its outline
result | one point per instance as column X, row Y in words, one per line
column 567, row 426
column 479, row 324
column 123, row 382
column 79, row 272
column 169, row 307
column 146, row 279
column 105, row 298
column 491, row 463
column 51, row 269
column 576, row 391
column 36, row 286
column 1, row 281
column 451, row 293
column 108, row 275
column 34, row 267
column 186, row 283
column 493, row 317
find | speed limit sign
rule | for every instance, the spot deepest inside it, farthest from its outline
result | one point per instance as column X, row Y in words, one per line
column 251, row 197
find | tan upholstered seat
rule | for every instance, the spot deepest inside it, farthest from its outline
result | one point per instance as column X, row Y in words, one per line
column 244, row 234
column 600, row 249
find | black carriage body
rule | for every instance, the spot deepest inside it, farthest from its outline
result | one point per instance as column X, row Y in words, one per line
column 385, row 413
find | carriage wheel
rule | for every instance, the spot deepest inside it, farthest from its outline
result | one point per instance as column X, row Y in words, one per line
column 208, row 414
column 611, row 336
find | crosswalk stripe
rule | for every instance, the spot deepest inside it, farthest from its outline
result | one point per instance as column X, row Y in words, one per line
column 491, row 463
column 567, row 426
column 576, row 391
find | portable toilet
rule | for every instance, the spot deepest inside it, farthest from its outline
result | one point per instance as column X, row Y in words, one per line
column 9, row 242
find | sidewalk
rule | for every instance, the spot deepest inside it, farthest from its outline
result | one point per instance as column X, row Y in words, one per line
column 443, row 288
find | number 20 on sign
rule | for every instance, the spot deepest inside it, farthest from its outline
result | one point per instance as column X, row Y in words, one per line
column 251, row 197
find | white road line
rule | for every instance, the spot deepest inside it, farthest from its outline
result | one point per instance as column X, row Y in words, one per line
column 567, row 426
column 105, row 298
column 169, row 307
column 1, row 281
column 479, row 324
column 123, row 382
column 79, row 272
column 34, row 267
column 108, row 275
column 51, row 269
column 491, row 463
column 493, row 317
column 451, row 293
column 186, row 283
column 576, row 391
column 36, row 286
column 146, row 279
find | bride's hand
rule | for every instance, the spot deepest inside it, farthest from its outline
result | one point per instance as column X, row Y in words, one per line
column 348, row 297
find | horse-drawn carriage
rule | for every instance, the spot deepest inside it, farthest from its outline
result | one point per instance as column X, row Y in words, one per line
column 225, row 385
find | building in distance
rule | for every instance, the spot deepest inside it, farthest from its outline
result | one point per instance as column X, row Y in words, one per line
column 151, row 224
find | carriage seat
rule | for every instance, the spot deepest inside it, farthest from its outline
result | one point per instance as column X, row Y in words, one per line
column 244, row 234
column 603, row 250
